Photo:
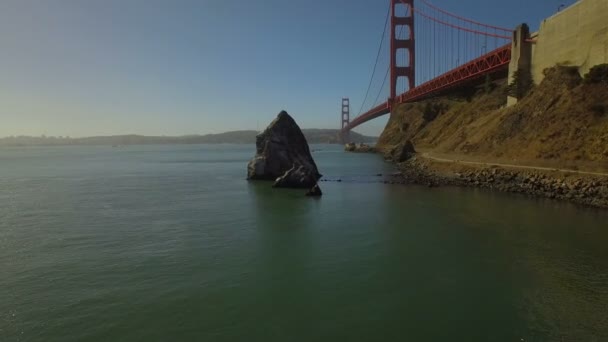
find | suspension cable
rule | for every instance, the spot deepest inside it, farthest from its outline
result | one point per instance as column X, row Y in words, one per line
column 463, row 18
column 471, row 30
column 387, row 72
column 377, row 58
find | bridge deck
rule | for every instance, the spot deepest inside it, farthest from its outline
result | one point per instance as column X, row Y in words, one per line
column 490, row 63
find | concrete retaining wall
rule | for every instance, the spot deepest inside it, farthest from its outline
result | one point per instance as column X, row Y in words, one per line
column 576, row 36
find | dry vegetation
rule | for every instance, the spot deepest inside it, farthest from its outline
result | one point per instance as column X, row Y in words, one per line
column 561, row 122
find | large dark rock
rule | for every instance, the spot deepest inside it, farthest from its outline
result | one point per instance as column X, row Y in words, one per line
column 282, row 155
column 403, row 151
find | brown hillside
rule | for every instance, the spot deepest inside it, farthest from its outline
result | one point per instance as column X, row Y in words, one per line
column 563, row 120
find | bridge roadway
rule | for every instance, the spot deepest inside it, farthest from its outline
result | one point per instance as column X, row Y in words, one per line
column 495, row 63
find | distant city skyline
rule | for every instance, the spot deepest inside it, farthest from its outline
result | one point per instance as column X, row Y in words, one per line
column 152, row 67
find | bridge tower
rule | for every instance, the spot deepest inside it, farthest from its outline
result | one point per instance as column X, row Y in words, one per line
column 344, row 134
column 401, row 21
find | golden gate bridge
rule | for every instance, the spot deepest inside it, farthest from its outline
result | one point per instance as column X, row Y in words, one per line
column 432, row 52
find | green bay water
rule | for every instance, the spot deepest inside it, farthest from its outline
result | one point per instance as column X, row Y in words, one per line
column 171, row 243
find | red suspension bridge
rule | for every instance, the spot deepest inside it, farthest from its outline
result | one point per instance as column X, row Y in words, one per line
column 432, row 52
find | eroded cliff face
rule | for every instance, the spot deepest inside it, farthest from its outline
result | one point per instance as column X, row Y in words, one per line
column 562, row 120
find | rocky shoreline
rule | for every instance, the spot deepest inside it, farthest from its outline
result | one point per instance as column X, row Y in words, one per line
column 581, row 189
column 585, row 190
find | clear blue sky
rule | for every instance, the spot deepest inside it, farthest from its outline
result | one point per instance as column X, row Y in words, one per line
column 172, row 67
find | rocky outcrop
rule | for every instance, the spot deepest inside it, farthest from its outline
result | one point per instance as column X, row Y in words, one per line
column 402, row 152
column 283, row 156
column 362, row 148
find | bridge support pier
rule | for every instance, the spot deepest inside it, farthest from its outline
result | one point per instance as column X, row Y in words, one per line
column 521, row 59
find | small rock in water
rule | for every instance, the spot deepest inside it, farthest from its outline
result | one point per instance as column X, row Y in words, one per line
column 361, row 147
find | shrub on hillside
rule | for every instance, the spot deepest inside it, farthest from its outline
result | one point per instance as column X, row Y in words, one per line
column 488, row 85
column 597, row 74
column 433, row 109
column 599, row 109
column 521, row 85
column 567, row 70
column 559, row 75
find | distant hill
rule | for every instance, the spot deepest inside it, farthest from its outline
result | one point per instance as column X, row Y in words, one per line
column 313, row 136
column 332, row 136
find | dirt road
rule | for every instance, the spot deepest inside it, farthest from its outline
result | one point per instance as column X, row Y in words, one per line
column 429, row 156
